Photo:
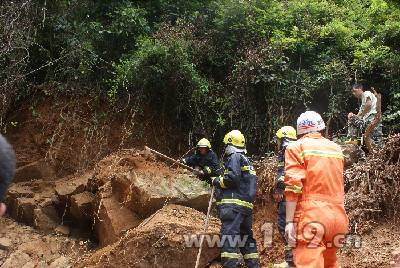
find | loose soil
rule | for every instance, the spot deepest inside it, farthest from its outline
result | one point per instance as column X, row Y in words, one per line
column 71, row 136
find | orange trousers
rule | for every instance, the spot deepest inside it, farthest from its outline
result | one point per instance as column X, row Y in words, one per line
column 321, row 229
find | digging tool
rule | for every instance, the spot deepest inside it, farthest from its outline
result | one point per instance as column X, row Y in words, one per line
column 189, row 151
column 148, row 149
column 205, row 227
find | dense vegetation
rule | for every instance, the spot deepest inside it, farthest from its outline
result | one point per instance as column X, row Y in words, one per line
column 208, row 65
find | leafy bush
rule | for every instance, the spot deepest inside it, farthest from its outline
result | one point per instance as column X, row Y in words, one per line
column 162, row 75
column 214, row 65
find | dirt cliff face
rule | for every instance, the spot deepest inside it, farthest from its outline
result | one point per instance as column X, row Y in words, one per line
column 72, row 134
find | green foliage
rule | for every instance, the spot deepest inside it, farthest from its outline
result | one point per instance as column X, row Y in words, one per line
column 391, row 116
column 163, row 75
column 214, row 65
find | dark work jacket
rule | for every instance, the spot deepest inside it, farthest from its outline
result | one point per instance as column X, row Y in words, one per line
column 237, row 187
column 280, row 175
column 209, row 163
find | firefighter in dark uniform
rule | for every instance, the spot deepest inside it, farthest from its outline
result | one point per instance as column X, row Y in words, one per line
column 236, row 192
column 285, row 136
column 204, row 161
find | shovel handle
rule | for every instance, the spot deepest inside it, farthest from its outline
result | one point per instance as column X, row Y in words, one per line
column 169, row 158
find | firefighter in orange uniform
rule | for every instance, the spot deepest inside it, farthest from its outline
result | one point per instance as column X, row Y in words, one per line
column 315, row 215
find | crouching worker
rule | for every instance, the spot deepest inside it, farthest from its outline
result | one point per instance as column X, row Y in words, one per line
column 236, row 191
column 315, row 214
column 285, row 136
column 204, row 161
column 7, row 170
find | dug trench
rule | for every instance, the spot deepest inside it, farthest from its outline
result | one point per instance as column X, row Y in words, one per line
column 113, row 206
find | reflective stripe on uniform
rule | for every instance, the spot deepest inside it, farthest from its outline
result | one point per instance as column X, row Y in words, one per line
column 236, row 202
column 246, row 168
column 230, row 255
column 328, row 154
column 249, row 169
column 281, row 178
column 221, row 182
column 293, row 188
column 281, row 164
column 207, row 169
column 250, row 256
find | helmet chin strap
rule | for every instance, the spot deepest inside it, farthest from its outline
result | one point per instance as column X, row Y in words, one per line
column 224, row 152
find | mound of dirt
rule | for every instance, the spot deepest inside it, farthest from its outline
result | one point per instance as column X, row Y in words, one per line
column 266, row 173
column 127, row 161
column 374, row 187
column 145, row 185
column 158, row 242
column 269, row 242
column 352, row 154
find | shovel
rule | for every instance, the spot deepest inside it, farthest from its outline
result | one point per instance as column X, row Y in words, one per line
column 149, row 150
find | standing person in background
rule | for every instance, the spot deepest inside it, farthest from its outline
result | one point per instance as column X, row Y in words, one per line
column 357, row 123
column 285, row 136
column 7, row 170
column 204, row 161
column 316, row 221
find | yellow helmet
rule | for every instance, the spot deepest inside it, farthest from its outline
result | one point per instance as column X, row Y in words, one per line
column 287, row 132
column 204, row 143
column 235, row 138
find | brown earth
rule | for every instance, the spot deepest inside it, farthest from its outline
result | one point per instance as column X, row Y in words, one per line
column 122, row 199
column 27, row 247
column 158, row 242
column 72, row 134
column 377, row 248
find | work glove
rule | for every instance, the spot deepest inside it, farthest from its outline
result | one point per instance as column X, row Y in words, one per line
column 279, row 191
column 215, row 181
column 198, row 173
column 291, row 233
column 278, row 197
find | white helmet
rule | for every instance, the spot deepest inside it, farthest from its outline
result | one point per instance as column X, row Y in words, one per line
column 308, row 122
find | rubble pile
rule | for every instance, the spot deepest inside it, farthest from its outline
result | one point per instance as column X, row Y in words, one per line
column 373, row 186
